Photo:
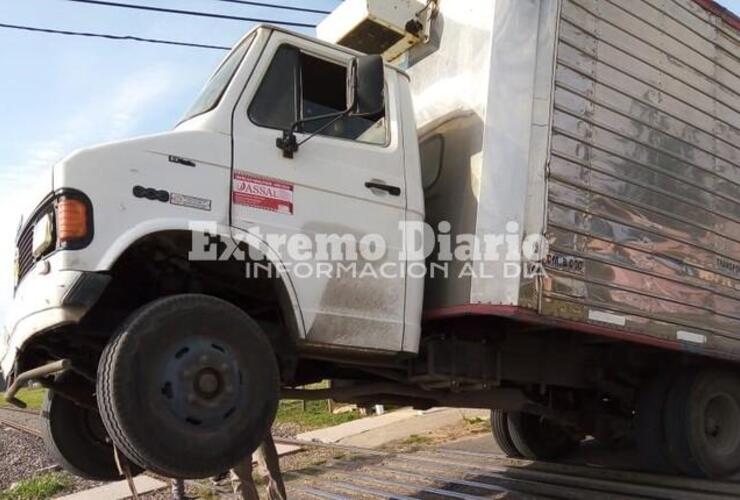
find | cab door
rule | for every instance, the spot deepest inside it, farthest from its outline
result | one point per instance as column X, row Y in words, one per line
column 345, row 183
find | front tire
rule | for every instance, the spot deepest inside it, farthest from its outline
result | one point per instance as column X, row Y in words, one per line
column 188, row 387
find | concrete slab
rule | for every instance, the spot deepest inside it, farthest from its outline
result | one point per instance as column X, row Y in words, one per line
column 342, row 431
column 283, row 449
column 118, row 490
column 376, row 431
column 416, row 424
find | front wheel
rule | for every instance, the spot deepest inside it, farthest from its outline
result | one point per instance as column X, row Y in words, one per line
column 188, row 387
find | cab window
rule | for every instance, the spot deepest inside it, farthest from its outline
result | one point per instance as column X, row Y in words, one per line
column 298, row 85
column 217, row 84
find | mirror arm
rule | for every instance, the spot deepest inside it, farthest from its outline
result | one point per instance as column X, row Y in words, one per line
column 288, row 143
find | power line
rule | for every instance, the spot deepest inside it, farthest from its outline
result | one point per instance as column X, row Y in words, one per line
column 274, row 6
column 193, row 13
column 112, row 37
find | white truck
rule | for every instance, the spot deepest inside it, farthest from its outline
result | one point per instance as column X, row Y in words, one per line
column 577, row 161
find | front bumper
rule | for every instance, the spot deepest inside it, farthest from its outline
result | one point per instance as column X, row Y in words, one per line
column 44, row 302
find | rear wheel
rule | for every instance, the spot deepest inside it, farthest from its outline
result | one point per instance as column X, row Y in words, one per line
column 188, row 387
column 500, row 429
column 650, row 429
column 538, row 438
column 77, row 440
column 702, row 422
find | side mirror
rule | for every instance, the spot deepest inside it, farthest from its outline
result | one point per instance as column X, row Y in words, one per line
column 366, row 85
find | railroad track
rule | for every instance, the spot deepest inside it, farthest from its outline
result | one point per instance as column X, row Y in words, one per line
column 4, row 422
column 8, row 420
column 13, row 409
column 446, row 473
column 362, row 473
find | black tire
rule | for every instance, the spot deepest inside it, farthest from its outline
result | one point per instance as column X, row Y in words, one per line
column 76, row 439
column 188, row 387
column 649, row 424
column 500, row 429
column 537, row 438
column 702, row 422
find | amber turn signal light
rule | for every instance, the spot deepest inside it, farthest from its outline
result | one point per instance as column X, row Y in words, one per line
column 71, row 220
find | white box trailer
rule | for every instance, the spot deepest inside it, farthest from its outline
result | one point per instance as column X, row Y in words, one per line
column 613, row 128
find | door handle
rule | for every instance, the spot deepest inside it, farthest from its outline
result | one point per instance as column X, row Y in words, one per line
column 392, row 190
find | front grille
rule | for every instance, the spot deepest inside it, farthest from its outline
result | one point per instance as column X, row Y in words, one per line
column 24, row 244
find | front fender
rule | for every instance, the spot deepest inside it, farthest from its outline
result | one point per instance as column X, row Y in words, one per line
column 271, row 255
column 148, row 228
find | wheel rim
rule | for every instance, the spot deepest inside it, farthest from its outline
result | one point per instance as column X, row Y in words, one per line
column 95, row 429
column 721, row 424
column 201, row 382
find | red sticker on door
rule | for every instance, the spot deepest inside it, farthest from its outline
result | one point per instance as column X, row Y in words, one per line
column 262, row 193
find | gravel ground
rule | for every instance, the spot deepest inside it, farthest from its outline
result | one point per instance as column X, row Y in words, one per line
column 286, row 430
column 21, row 456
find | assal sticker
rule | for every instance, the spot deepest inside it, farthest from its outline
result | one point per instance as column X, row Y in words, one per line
column 606, row 317
column 696, row 338
column 265, row 194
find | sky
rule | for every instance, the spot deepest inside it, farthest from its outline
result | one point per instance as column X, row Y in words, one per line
column 61, row 93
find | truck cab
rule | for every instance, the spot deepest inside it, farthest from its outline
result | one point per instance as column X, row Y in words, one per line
column 121, row 220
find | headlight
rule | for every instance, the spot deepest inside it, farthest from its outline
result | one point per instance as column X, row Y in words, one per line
column 43, row 233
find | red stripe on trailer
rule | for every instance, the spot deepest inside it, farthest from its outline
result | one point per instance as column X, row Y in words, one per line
column 727, row 15
column 530, row 316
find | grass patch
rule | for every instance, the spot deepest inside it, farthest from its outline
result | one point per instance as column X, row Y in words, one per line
column 474, row 420
column 415, row 439
column 315, row 416
column 37, row 488
column 312, row 415
column 33, row 397
column 202, row 490
column 476, row 425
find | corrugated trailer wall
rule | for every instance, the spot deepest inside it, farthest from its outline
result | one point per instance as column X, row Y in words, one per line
column 644, row 176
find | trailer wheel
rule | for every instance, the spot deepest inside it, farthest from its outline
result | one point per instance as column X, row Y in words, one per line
column 500, row 429
column 537, row 438
column 188, row 387
column 650, row 430
column 702, row 421
column 76, row 439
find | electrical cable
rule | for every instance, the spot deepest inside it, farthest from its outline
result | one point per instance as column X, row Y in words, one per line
column 112, row 37
column 274, row 6
column 193, row 13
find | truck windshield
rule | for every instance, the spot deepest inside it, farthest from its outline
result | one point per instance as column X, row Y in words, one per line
column 217, row 84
